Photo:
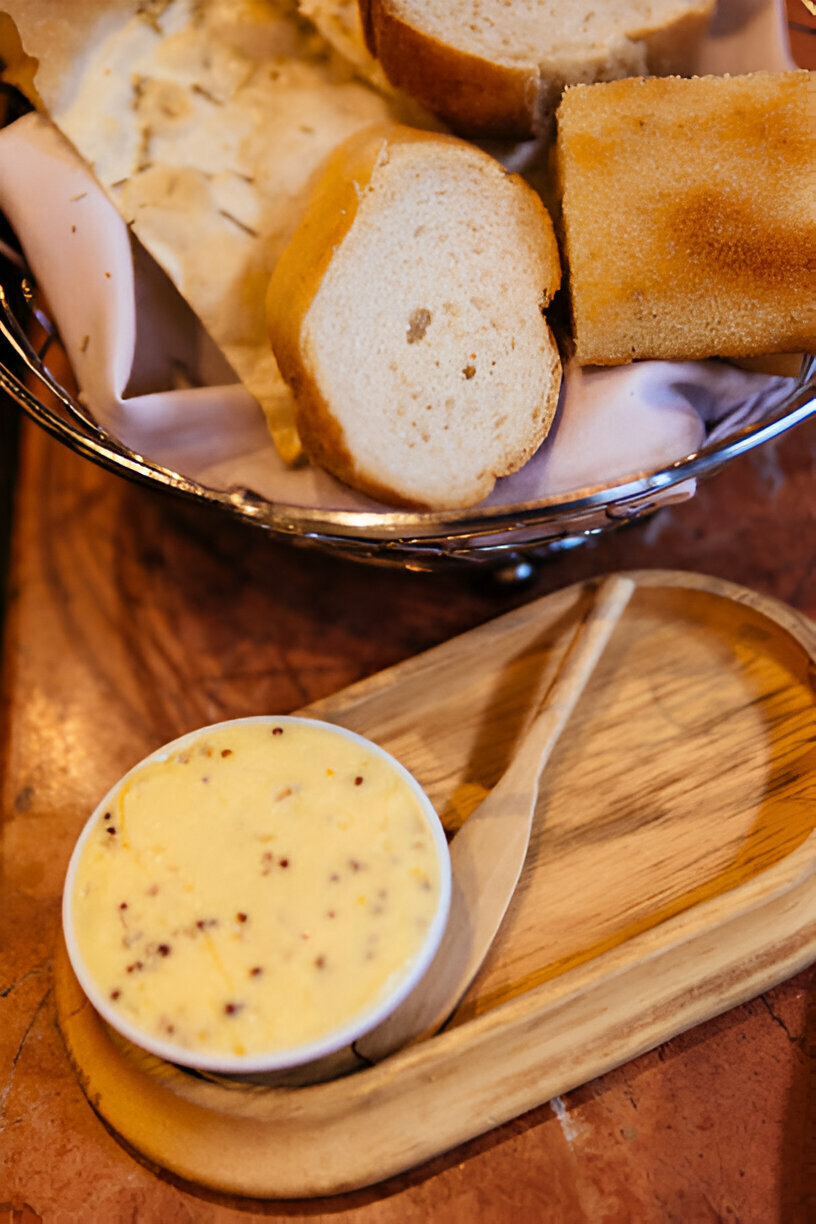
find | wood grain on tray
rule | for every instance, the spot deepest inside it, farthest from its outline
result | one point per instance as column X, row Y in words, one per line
column 671, row 875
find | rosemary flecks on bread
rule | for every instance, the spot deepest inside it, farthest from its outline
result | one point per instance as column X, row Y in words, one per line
column 204, row 121
column 406, row 315
column 689, row 216
column 489, row 67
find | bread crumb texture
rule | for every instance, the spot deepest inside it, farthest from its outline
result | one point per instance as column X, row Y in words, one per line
column 689, row 215
column 427, row 368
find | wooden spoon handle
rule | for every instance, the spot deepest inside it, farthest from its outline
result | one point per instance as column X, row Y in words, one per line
column 489, row 850
column 580, row 660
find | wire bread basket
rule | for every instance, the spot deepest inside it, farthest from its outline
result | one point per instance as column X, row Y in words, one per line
column 509, row 538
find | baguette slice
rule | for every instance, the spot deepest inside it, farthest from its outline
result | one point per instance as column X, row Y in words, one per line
column 406, row 315
column 689, row 216
column 493, row 68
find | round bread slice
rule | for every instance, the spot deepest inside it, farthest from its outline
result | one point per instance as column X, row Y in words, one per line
column 498, row 68
column 406, row 314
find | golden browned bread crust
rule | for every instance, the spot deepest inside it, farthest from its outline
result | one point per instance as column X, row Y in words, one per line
column 488, row 70
column 472, row 94
column 689, row 216
column 328, row 218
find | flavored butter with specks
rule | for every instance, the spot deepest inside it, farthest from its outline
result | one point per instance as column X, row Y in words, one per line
column 257, row 894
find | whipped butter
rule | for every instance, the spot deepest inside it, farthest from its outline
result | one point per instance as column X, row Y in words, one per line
column 259, row 886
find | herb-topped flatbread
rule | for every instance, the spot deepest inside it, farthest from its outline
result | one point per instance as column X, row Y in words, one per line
column 203, row 120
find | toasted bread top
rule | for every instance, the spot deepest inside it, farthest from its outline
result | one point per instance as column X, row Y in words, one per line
column 689, row 215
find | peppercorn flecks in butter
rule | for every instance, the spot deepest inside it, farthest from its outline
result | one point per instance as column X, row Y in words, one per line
column 259, row 888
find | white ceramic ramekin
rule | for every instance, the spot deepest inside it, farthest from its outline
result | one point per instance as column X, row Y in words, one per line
column 399, row 987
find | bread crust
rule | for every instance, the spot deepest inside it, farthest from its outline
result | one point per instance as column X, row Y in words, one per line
column 471, row 94
column 329, row 217
column 477, row 96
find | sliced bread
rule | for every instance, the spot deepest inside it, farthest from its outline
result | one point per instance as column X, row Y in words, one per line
column 689, row 216
column 489, row 67
column 406, row 315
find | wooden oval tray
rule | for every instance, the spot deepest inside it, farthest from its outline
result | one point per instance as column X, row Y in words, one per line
column 671, row 875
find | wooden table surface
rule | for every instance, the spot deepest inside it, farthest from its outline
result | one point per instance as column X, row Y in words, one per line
column 131, row 619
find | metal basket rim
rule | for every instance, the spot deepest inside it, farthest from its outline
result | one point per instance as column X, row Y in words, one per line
column 450, row 531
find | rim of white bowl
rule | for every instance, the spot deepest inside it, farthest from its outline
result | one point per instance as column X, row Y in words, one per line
column 292, row 1056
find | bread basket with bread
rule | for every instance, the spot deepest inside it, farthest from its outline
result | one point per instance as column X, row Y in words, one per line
column 476, row 331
